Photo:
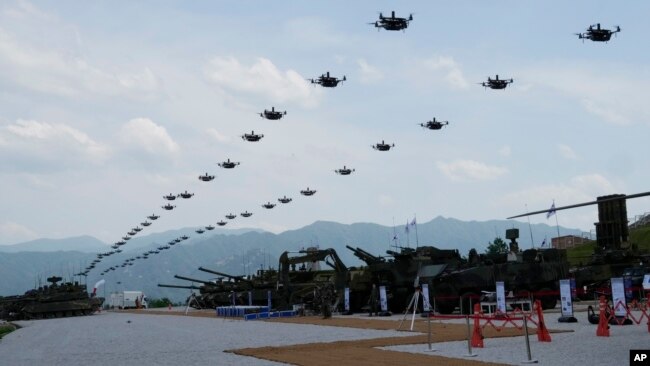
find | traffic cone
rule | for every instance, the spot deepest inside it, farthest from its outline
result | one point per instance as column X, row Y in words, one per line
column 542, row 332
column 477, row 336
column 603, row 327
column 169, row 306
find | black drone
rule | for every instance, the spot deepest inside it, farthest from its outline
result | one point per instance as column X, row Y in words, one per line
column 344, row 171
column 126, row 238
column 132, row 233
column 114, row 246
column 382, row 146
column 170, row 197
column 434, row 125
column 496, row 83
column 118, row 243
column 392, row 23
column 206, row 177
column 228, row 164
column 209, row 227
column 200, row 231
column 222, row 223
column 327, row 81
column 118, row 251
column 185, row 195
column 230, row 216
column 252, row 137
column 168, row 207
column 307, row 192
column 598, row 34
column 145, row 223
column 268, row 205
column 246, row 214
column 284, row 199
column 185, row 237
column 273, row 114
column 137, row 229
column 153, row 217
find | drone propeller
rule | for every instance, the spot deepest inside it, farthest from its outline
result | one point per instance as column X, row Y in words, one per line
column 411, row 17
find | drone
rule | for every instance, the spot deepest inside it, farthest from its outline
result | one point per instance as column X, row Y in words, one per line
column 327, row 81
column 598, row 34
column 230, row 216
column 115, row 246
column 381, row 146
column 252, row 137
column 172, row 243
column 168, row 207
column 268, row 205
column 126, row 238
column 222, row 223
column 434, row 125
column 246, row 214
column 186, row 195
column 137, row 229
column 496, row 83
column 209, row 227
column 185, row 237
column 145, row 223
column 228, row 164
column 200, row 231
column 344, row 171
column 132, row 233
column 273, row 114
column 206, row 177
column 153, row 217
column 284, row 199
column 307, row 192
column 170, row 197
column 119, row 243
column 118, row 250
column 392, row 23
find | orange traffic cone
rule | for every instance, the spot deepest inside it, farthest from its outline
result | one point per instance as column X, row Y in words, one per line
column 603, row 327
column 542, row 332
column 477, row 336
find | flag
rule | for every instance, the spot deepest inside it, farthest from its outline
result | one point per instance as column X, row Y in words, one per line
column 395, row 237
column 543, row 243
column 406, row 228
column 551, row 211
column 413, row 223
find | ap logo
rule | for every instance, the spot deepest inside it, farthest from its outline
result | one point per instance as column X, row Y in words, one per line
column 639, row 357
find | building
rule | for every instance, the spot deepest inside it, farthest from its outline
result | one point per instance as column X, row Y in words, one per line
column 568, row 241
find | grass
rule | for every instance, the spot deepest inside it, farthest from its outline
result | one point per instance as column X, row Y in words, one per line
column 6, row 329
column 582, row 254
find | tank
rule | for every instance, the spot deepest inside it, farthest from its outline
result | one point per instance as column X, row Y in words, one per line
column 50, row 301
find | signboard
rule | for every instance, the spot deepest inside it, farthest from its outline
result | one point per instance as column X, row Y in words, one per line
column 618, row 296
column 232, row 299
column 383, row 300
column 501, row 297
column 646, row 282
column 565, row 298
column 268, row 294
column 250, row 298
column 346, row 299
column 425, row 298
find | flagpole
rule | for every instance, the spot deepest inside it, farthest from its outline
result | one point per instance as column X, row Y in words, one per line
column 408, row 234
column 417, row 241
column 530, row 229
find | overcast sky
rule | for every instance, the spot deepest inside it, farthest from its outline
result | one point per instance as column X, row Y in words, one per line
column 107, row 106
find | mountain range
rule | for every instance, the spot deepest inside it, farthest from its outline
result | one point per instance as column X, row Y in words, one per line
column 24, row 265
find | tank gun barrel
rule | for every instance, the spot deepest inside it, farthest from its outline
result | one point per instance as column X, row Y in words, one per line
column 192, row 280
column 235, row 278
column 179, row 286
column 365, row 256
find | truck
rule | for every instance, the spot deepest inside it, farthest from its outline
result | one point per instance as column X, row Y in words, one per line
column 127, row 300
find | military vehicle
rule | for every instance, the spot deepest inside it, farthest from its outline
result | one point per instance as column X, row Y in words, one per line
column 533, row 272
column 50, row 301
column 613, row 252
column 399, row 273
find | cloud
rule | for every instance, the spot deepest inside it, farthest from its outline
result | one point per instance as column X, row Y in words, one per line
column 218, row 136
column 441, row 67
column 12, row 232
column 144, row 134
column 578, row 189
column 505, row 151
column 47, row 141
column 608, row 114
column 369, row 73
column 386, row 200
column 469, row 170
column 567, row 152
column 262, row 78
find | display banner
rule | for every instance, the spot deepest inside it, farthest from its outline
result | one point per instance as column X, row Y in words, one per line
column 250, row 298
column 268, row 294
column 618, row 296
column 346, row 299
column 383, row 300
column 501, row 297
column 425, row 298
column 232, row 299
column 646, row 282
column 565, row 296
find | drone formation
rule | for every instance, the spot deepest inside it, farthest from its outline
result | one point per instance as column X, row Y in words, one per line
column 392, row 23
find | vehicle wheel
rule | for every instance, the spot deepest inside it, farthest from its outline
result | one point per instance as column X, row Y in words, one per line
column 548, row 301
column 468, row 301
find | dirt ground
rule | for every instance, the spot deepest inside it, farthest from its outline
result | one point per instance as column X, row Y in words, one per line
column 362, row 352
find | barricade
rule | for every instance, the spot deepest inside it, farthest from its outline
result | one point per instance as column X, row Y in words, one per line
column 608, row 316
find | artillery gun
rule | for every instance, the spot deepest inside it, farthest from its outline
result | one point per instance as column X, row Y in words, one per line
column 54, row 300
column 613, row 252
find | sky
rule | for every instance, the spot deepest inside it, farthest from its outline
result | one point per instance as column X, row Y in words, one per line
column 106, row 106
